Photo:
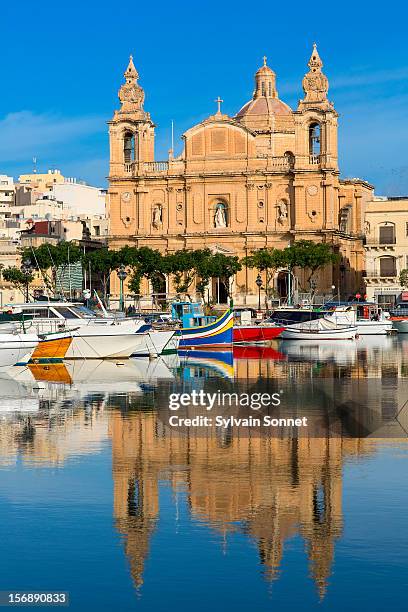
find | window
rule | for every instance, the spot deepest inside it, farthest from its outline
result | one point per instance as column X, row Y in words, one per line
column 406, row 228
column 387, row 234
column 388, row 266
column 263, row 88
column 314, row 139
column 67, row 313
column 97, row 230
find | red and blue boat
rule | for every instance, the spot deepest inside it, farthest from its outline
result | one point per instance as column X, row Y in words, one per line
column 200, row 330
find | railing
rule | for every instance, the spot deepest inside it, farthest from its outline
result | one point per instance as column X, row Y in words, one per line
column 314, row 160
column 377, row 242
column 371, row 274
column 156, row 166
column 279, row 163
column 152, row 166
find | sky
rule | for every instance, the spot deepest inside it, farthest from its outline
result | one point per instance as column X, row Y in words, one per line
column 62, row 63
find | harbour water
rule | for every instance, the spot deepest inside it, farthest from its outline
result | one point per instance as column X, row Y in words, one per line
column 102, row 499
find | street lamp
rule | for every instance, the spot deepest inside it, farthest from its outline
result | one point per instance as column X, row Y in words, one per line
column 259, row 285
column 122, row 274
column 289, row 298
column 26, row 269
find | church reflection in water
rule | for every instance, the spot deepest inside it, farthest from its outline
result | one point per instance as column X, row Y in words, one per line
column 270, row 489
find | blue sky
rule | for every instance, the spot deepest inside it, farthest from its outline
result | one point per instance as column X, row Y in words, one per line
column 62, row 64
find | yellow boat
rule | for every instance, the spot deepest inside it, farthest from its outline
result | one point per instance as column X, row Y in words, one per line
column 52, row 347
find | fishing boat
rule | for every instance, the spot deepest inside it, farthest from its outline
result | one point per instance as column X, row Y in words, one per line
column 325, row 328
column 198, row 329
column 16, row 348
column 256, row 333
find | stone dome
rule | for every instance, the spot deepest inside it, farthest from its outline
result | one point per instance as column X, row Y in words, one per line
column 264, row 106
column 265, row 101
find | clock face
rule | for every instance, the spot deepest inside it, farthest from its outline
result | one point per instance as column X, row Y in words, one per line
column 126, row 196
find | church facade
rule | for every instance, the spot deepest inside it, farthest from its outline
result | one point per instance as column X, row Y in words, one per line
column 266, row 177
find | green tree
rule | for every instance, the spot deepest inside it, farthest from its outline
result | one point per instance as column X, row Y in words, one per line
column 267, row 261
column 18, row 278
column 403, row 278
column 220, row 266
column 185, row 266
column 103, row 262
column 309, row 255
column 144, row 262
column 52, row 260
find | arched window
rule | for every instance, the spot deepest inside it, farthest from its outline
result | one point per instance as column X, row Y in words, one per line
column 129, row 147
column 270, row 89
column 221, row 215
column 314, row 139
column 263, row 88
column 388, row 266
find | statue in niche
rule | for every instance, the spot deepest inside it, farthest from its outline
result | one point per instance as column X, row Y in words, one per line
column 282, row 212
column 367, row 227
column 220, row 217
column 157, row 219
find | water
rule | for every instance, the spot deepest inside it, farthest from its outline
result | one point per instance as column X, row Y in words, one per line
column 99, row 497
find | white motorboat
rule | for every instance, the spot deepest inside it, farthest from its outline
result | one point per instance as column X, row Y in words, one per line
column 93, row 337
column 16, row 348
column 368, row 317
column 325, row 328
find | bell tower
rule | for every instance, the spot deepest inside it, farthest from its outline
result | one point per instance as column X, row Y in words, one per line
column 317, row 118
column 131, row 131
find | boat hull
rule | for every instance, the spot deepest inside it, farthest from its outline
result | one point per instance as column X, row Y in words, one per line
column 374, row 328
column 89, row 343
column 156, row 341
column 218, row 333
column 400, row 324
column 293, row 333
column 16, row 349
column 52, row 348
column 256, row 333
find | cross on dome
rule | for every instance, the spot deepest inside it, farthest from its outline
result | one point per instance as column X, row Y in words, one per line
column 219, row 102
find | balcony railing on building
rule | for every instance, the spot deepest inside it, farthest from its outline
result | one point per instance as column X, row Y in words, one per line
column 281, row 163
column 380, row 242
column 382, row 274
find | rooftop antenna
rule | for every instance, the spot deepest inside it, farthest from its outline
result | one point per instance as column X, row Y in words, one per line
column 35, row 165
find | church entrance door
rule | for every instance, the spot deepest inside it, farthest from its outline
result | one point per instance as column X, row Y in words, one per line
column 282, row 284
column 219, row 291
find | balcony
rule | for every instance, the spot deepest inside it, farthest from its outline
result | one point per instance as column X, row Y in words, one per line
column 152, row 167
column 377, row 242
column 382, row 277
column 314, row 160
